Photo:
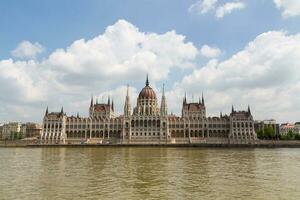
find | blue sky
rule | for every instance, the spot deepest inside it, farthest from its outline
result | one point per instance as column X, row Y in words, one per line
column 56, row 24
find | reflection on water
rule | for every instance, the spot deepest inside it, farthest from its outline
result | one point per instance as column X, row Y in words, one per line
column 149, row 173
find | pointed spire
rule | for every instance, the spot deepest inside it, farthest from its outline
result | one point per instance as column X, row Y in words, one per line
column 46, row 113
column 147, row 80
column 127, row 106
column 221, row 115
column 108, row 100
column 199, row 101
column 163, row 106
column 92, row 101
column 77, row 115
column 127, row 92
column 249, row 111
column 112, row 104
column 62, row 110
column 184, row 99
column 203, row 99
column 232, row 109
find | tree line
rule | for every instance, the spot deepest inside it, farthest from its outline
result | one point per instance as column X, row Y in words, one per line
column 268, row 133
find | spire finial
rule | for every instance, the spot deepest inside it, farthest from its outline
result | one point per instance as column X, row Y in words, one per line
column 108, row 100
column 92, row 101
column 147, row 80
column 232, row 109
column 46, row 113
column 184, row 99
column 203, row 99
column 127, row 92
column 249, row 111
column 62, row 110
column 112, row 104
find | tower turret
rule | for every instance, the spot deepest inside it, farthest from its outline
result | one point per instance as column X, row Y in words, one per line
column 163, row 107
column 46, row 113
column 147, row 81
column 92, row 101
column 127, row 106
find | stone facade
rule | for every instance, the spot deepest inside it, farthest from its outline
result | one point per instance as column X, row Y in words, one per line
column 286, row 127
column 10, row 128
column 261, row 125
column 1, row 130
column 31, row 130
column 148, row 123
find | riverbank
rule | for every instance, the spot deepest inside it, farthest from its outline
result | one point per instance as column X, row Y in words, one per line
column 256, row 144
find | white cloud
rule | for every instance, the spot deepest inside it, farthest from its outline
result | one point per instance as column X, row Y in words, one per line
column 203, row 6
column 210, row 52
column 26, row 49
column 121, row 54
column 266, row 74
column 289, row 8
column 227, row 8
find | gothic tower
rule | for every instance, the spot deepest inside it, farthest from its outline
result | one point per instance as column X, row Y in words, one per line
column 163, row 106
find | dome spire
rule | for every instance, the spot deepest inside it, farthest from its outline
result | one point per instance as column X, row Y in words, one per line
column 46, row 113
column 147, row 80
column 163, row 107
column 127, row 105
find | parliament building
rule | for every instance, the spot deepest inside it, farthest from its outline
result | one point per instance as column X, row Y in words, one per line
column 148, row 123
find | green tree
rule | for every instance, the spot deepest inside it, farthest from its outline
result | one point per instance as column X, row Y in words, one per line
column 290, row 135
column 269, row 132
column 260, row 134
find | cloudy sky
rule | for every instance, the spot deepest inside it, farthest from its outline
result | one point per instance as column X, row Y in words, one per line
column 59, row 53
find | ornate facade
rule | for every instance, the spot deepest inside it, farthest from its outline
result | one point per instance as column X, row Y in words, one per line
column 148, row 123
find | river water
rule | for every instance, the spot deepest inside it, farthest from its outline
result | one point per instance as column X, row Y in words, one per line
column 149, row 173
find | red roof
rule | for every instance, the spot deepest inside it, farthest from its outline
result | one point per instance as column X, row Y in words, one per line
column 147, row 93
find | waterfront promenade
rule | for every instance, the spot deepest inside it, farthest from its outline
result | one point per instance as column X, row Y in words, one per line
column 256, row 144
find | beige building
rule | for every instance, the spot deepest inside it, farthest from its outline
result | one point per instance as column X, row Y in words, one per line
column 10, row 128
column 286, row 127
column 297, row 127
column 1, row 129
column 261, row 125
column 148, row 123
column 31, row 130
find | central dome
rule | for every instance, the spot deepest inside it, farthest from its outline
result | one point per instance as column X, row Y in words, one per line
column 147, row 92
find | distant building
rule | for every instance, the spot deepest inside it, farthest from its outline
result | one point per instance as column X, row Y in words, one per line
column 1, row 129
column 10, row 129
column 297, row 127
column 31, row 130
column 286, row 127
column 148, row 123
column 261, row 125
